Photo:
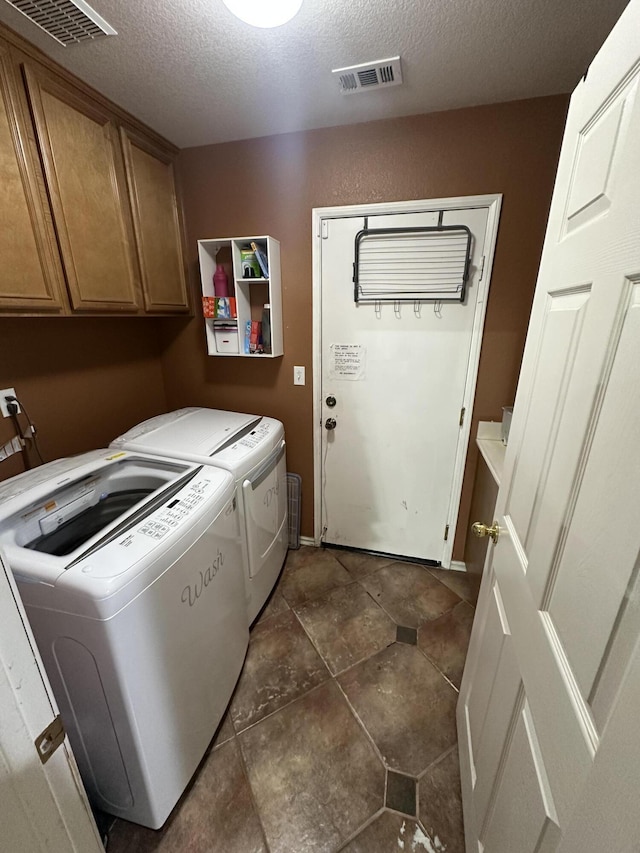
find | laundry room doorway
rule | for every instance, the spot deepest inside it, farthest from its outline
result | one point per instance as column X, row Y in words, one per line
column 395, row 364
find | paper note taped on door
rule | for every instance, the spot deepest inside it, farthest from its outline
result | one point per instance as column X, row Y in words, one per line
column 347, row 361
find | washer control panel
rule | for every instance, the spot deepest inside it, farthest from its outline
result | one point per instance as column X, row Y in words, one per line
column 156, row 529
column 174, row 513
column 250, row 448
column 256, row 436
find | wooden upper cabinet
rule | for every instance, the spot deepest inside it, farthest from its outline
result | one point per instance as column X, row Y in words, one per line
column 157, row 223
column 31, row 279
column 82, row 159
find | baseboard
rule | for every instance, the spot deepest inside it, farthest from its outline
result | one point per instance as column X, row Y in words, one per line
column 456, row 565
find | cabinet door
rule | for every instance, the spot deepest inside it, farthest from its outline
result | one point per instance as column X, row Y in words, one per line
column 80, row 149
column 156, row 219
column 31, row 278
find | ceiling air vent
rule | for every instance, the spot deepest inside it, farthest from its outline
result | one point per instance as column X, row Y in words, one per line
column 369, row 76
column 66, row 21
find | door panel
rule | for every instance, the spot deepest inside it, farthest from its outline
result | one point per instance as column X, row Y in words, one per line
column 621, row 646
column 389, row 465
column 156, row 218
column 566, row 561
column 496, row 635
column 502, row 694
column 578, row 581
column 562, row 330
column 595, row 160
column 31, row 272
column 83, row 164
column 523, row 817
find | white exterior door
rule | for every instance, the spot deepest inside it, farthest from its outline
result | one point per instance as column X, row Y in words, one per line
column 42, row 807
column 549, row 702
column 400, row 375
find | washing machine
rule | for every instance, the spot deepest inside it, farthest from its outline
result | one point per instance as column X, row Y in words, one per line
column 252, row 448
column 130, row 570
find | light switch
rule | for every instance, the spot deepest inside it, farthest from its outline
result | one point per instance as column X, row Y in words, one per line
column 298, row 375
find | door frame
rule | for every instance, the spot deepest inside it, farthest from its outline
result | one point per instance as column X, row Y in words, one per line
column 320, row 217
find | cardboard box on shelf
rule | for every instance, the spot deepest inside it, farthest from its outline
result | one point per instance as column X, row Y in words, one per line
column 226, row 337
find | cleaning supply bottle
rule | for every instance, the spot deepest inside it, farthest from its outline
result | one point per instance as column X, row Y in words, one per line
column 220, row 281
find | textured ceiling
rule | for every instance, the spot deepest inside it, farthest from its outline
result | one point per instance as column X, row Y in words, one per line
column 197, row 75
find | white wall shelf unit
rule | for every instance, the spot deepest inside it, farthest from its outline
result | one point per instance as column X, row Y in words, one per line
column 251, row 294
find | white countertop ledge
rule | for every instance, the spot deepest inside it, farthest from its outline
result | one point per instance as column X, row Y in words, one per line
column 489, row 441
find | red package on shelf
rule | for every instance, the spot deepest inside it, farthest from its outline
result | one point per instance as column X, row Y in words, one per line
column 255, row 340
column 209, row 306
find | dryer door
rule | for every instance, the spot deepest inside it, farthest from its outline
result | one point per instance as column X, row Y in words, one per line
column 264, row 494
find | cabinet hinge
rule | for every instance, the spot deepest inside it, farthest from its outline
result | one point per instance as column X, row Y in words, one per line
column 462, row 411
column 325, row 229
column 50, row 739
column 446, row 533
column 482, row 268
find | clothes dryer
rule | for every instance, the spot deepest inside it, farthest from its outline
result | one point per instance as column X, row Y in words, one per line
column 253, row 449
column 130, row 570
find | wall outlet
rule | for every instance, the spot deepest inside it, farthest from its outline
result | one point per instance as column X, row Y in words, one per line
column 298, row 376
column 10, row 392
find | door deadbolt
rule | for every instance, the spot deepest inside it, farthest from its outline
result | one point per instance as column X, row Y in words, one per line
column 330, row 423
column 330, row 401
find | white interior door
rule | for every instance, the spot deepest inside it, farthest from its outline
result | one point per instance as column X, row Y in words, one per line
column 392, row 466
column 42, row 807
column 548, row 708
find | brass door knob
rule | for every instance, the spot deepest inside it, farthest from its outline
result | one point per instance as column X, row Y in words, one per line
column 481, row 530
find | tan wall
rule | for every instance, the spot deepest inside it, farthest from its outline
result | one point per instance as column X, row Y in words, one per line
column 270, row 185
column 82, row 380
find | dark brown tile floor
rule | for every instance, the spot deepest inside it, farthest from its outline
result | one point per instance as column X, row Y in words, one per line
column 341, row 733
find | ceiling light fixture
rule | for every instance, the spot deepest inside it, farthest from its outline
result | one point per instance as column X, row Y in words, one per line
column 264, row 13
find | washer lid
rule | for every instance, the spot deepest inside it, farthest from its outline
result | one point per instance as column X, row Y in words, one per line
column 201, row 432
column 51, row 516
column 51, row 472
